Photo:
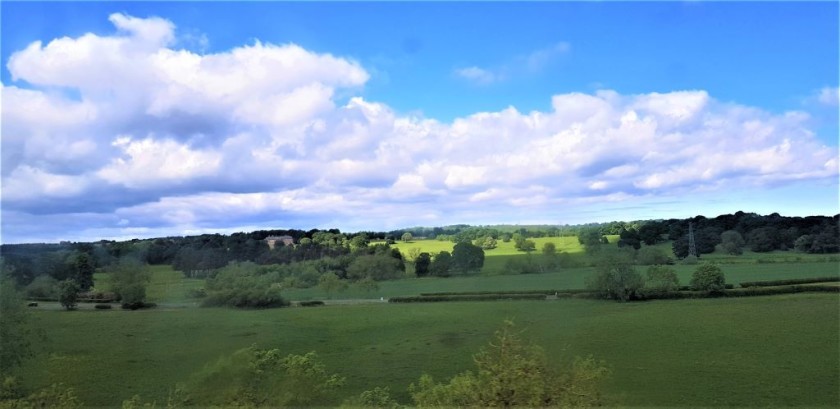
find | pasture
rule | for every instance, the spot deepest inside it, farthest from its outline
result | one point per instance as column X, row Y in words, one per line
column 756, row 351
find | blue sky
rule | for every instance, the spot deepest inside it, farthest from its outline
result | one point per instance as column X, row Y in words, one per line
column 145, row 119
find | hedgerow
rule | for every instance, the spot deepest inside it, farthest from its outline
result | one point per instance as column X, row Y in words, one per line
column 789, row 281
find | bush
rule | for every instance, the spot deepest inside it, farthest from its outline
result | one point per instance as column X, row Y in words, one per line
column 246, row 297
column 102, row 306
column 137, row 305
column 314, row 303
column 708, row 277
column 615, row 276
column 660, row 280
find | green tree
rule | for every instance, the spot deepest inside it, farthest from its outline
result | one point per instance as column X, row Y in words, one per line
column 15, row 331
column 467, row 257
column 375, row 398
column 422, row 264
column 330, row 283
column 512, row 373
column 549, row 249
column 406, row 237
column 487, row 243
column 85, row 266
column 732, row 242
column 527, row 246
column 367, row 285
column 708, row 277
column 359, row 241
column 614, row 275
column 254, row 377
column 441, row 264
column 68, row 294
column 128, row 280
column 377, row 267
column 661, row 280
column 650, row 256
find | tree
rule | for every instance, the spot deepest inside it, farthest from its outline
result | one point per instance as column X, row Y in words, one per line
column 441, row 264
column 406, row 237
column 467, row 257
column 487, row 243
column 413, row 253
column 85, row 267
column 527, row 246
column 762, row 239
column 254, row 377
column 649, row 256
column 15, row 333
column 367, row 285
column 68, row 294
column 359, row 241
column 732, row 242
column 422, row 264
column 661, row 280
column 377, row 267
column 615, row 276
column 128, row 280
column 511, row 373
column 330, row 283
column 708, row 277
column 629, row 238
column 549, row 249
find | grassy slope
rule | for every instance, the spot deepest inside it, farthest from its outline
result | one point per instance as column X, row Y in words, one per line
column 752, row 351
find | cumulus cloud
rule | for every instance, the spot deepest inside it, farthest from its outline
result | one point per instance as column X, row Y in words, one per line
column 159, row 140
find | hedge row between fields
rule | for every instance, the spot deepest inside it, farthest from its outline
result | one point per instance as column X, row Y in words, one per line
column 790, row 281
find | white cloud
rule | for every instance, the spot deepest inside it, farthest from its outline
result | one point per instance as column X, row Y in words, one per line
column 477, row 75
column 531, row 63
column 829, row 96
column 190, row 141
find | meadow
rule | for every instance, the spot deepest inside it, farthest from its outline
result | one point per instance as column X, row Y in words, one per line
column 756, row 351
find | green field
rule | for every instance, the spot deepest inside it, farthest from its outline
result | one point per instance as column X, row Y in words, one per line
column 564, row 279
column 757, row 351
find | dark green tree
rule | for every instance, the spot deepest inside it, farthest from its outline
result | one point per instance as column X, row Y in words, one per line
column 467, row 257
column 422, row 264
column 68, row 294
column 441, row 264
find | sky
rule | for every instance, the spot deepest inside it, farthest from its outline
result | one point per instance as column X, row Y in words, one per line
column 134, row 120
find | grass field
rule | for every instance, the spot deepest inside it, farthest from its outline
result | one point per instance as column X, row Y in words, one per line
column 759, row 351
column 565, row 279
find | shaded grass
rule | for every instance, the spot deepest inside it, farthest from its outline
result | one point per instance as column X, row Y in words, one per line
column 756, row 351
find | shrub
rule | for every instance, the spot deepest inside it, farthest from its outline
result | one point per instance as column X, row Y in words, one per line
column 246, row 297
column 314, row 303
column 615, row 276
column 660, row 279
column 649, row 256
column 102, row 306
column 137, row 305
column 708, row 277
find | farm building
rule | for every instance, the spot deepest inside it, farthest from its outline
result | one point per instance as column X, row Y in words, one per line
column 286, row 240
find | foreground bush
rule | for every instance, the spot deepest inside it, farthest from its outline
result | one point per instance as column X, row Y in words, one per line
column 254, row 377
column 511, row 373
